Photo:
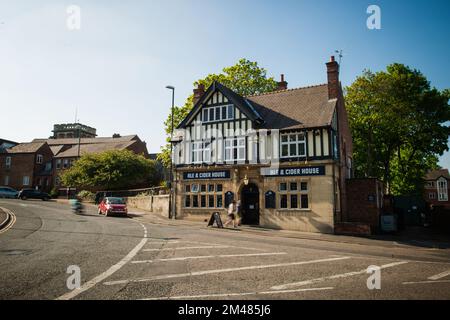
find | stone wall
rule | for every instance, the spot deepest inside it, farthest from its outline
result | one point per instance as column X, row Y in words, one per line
column 154, row 204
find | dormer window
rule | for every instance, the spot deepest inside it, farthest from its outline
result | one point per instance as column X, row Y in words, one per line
column 218, row 113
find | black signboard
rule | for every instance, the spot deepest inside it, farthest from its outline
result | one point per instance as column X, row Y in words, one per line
column 293, row 171
column 206, row 175
column 270, row 200
column 215, row 217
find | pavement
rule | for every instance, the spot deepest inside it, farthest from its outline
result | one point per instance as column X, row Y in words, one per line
column 148, row 257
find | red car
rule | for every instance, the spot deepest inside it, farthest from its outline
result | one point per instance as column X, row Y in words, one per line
column 109, row 206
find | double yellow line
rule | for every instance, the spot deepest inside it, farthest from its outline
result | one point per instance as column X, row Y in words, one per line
column 12, row 220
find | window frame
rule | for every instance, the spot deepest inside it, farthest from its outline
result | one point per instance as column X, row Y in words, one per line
column 297, row 142
column 299, row 193
column 234, row 147
column 8, row 162
column 218, row 110
column 39, row 159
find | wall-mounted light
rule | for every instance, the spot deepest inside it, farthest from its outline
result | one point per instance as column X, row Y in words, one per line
column 246, row 180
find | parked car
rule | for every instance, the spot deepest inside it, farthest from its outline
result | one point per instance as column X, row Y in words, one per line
column 112, row 205
column 33, row 194
column 7, row 192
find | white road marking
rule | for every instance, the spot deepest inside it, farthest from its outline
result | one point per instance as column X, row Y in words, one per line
column 337, row 276
column 440, row 275
column 425, row 282
column 205, row 272
column 187, row 248
column 109, row 272
column 222, row 295
column 212, row 256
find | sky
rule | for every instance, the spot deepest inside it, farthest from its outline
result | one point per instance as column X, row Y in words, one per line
column 115, row 68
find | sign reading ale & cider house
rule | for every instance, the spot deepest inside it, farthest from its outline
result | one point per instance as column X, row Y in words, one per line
column 294, row 171
column 201, row 175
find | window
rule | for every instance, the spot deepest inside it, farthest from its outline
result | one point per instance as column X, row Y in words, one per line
column 39, row 159
column 296, row 198
column 211, row 195
column 442, row 189
column 432, row 196
column 57, row 181
column 429, row 184
column 293, row 145
column 65, row 163
column 58, row 164
column 26, row 181
column 235, row 149
column 201, row 152
column 8, row 162
column 6, row 180
column 218, row 113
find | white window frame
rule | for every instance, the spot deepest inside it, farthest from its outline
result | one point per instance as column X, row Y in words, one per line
column 201, row 152
column 442, row 189
column 296, row 141
column 228, row 116
column 26, row 180
column 8, row 162
column 39, row 159
column 232, row 145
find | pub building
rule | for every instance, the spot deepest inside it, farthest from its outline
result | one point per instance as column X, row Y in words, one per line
column 285, row 155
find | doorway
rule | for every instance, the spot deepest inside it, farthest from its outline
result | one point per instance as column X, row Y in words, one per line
column 250, row 204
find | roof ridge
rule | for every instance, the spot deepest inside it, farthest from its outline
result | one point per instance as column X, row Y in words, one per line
column 286, row 90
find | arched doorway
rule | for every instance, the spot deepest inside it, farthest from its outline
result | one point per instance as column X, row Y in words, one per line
column 250, row 204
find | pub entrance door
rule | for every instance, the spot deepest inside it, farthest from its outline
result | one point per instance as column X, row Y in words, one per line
column 250, row 204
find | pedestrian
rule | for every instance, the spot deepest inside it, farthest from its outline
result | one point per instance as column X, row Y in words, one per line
column 238, row 212
column 231, row 214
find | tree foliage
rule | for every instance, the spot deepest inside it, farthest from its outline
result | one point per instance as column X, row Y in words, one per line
column 245, row 78
column 398, row 125
column 111, row 170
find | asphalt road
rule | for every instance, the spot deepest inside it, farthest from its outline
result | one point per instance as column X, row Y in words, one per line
column 131, row 258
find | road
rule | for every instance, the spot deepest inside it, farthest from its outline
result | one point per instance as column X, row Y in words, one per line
column 131, row 258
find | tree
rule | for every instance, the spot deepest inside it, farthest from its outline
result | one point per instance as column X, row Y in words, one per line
column 245, row 78
column 398, row 126
column 111, row 170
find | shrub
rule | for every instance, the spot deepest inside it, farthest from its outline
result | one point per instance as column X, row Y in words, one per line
column 85, row 195
column 54, row 193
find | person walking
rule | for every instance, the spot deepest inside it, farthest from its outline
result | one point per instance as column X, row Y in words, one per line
column 231, row 215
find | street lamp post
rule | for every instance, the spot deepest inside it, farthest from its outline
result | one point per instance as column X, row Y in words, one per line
column 172, row 213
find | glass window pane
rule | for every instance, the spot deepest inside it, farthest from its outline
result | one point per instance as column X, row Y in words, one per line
column 301, row 149
column 293, row 138
column 294, row 201
column 284, row 138
column 293, row 186
column 241, row 142
column 241, row 153
column 224, row 112
column 292, row 150
column 210, row 188
column 283, row 201
column 283, row 186
column 285, row 150
column 187, row 188
column 217, row 113
column 304, row 186
column 211, row 114
column 205, row 115
column 305, row 204
column 195, row 201
column 219, row 201
column 230, row 112
column 203, row 188
column 203, row 201
column 195, row 188
column 187, row 201
column 211, row 201
column 219, row 188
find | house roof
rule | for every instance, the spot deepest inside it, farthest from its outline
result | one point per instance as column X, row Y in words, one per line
column 94, row 148
column 295, row 108
column 98, row 140
column 31, row 147
column 307, row 107
column 436, row 174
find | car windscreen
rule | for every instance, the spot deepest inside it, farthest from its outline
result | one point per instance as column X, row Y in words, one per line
column 116, row 201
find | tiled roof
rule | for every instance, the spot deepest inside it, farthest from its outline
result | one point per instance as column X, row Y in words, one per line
column 94, row 148
column 31, row 147
column 436, row 174
column 295, row 108
column 74, row 141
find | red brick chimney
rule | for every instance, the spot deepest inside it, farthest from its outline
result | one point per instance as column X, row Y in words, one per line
column 334, row 85
column 198, row 93
column 282, row 85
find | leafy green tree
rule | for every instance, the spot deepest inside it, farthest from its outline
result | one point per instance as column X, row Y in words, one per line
column 398, row 122
column 111, row 170
column 245, row 78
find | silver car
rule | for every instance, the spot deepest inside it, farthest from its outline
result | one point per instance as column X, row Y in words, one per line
column 7, row 192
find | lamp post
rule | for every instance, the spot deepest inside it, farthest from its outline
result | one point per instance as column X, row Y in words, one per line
column 171, row 200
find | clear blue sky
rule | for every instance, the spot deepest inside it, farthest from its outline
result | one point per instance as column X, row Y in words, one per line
column 116, row 67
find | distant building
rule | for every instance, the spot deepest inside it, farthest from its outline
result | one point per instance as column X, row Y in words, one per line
column 6, row 144
column 73, row 130
column 437, row 188
column 39, row 164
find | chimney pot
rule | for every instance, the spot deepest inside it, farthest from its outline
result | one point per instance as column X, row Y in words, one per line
column 199, row 92
column 334, row 86
column 282, row 85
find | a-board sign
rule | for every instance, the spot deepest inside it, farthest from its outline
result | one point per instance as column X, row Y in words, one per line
column 215, row 217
